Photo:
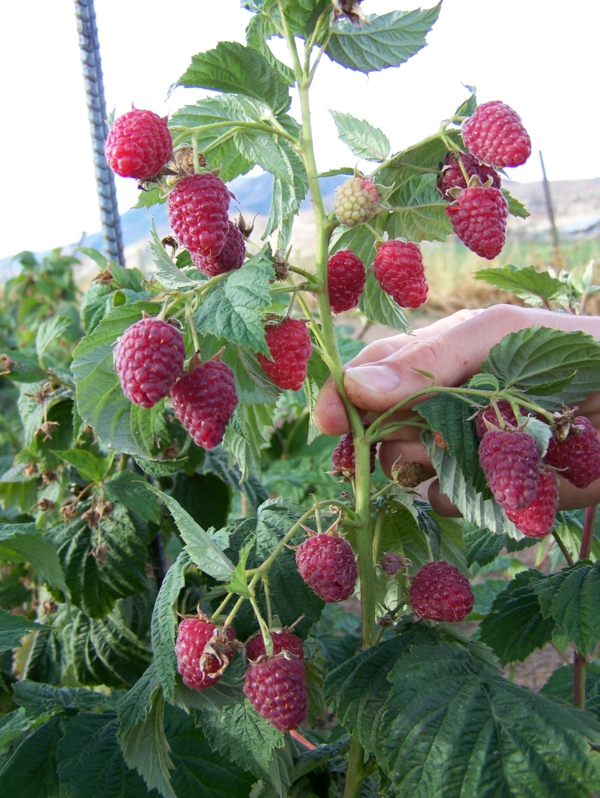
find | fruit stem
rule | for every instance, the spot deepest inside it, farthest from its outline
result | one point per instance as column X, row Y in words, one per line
column 563, row 548
column 355, row 772
column 192, row 326
column 221, row 607
column 588, row 532
column 579, row 667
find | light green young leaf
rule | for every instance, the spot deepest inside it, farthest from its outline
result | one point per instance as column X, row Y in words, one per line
column 386, row 41
column 380, row 307
column 50, row 331
column 164, row 624
column 235, row 69
column 120, row 424
column 515, row 208
column 418, row 211
column 23, row 368
column 167, row 274
column 527, row 283
column 364, row 140
column 247, row 435
column 200, row 546
column 239, row 581
column 88, row 464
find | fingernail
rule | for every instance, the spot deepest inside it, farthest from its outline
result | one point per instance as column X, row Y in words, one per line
column 382, row 377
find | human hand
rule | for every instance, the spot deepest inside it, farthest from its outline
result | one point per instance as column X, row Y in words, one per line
column 452, row 349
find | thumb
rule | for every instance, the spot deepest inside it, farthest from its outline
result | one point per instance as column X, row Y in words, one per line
column 452, row 356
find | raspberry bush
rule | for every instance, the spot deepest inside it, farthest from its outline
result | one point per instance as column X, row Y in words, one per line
column 165, row 482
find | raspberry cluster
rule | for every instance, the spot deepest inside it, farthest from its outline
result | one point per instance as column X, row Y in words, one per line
column 398, row 268
column 290, row 347
column 138, row 145
column 326, row 563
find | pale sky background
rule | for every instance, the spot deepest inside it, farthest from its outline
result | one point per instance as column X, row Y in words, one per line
column 539, row 56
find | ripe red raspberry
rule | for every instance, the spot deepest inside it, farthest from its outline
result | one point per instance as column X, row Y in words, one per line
column 290, row 347
column 346, row 278
column 537, row 519
column 355, row 201
column 138, row 145
column 343, row 458
column 478, row 218
column 204, row 401
column 203, row 652
column 231, row 256
column 149, row 358
column 495, row 134
column 197, row 209
column 276, row 688
column 489, row 414
column 511, row 464
column 398, row 268
column 451, row 175
column 282, row 641
column 327, row 565
column 577, row 458
column 439, row 592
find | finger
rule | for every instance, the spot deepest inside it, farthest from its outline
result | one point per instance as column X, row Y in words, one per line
column 391, row 452
column 440, row 503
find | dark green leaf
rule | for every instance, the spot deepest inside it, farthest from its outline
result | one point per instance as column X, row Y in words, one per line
column 571, row 598
column 364, row 140
column 418, row 211
column 516, row 626
column 133, row 707
column 247, row 434
column 380, row 307
column 12, row 629
column 387, row 40
column 101, row 403
column 527, row 283
column 537, row 355
column 130, row 490
column 161, row 468
column 90, row 761
column 43, row 699
column 24, row 542
column 31, row 770
column 12, row 725
column 164, row 624
column 233, row 68
column 45, row 658
column 205, row 497
column 483, row 547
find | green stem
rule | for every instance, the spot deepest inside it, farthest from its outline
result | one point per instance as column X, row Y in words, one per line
column 588, row 532
column 563, row 548
column 579, row 667
column 221, row 607
column 355, row 772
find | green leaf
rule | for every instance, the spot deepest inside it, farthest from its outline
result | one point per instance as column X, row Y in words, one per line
column 44, row 699
column 31, row 770
column 164, row 624
column 161, row 468
column 453, row 418
column 135, row 704
column 484, row 513
column 560, row 683
column 130, row 490
column 483, row 547
column 534, row 356
column 96, row 303
column 167, row 274
column 50, row 331
column 247, row 434
column 235, row 69
column 95, row 583
column 12, row 725
column 233, row 309
column 385, row 41
column 45, row 657
column 516, row 626
column 145, row 748
column 24, row 543
column 258, row 32
column 90, row 761
column 119, row 423
column 12, row 629
column 380, row 307
column 89, row 465
column 364, row 140
column 571, row 598
column 418, row 211
column 515, row 208
column 441, row 722
column 23, row 367
column 239, row 581
column 360, row 240
column 203, row 550
column 527, row 283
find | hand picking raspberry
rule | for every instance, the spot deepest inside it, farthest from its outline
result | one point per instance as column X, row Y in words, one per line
column 452, row 349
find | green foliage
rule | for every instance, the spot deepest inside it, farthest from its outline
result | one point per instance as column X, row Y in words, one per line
column 535, row 287
column 364, row 140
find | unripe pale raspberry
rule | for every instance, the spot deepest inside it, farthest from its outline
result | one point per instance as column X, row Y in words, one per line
column 149, row 358
column 231, row 256
column 452, row 176
column 197, row 209
column 343, row 457
column 290, row 347
column 203, row 652
column 356, row 201
column 204, row 401
column 478, row 217
column 511, row 464
column 439, row 592
column 577, row 458
column 138, row 145
column 537, row 519
column 328, row 566
column 398, row 268
column 495, row 134
column 346, row 278
column 282, row 641
column 276, row 688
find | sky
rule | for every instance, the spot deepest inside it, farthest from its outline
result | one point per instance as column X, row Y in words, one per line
column 538, row 57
